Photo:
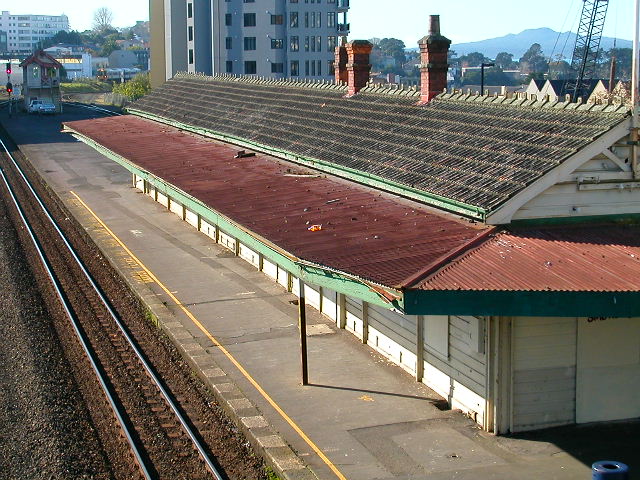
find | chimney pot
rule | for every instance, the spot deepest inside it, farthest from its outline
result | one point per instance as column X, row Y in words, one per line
column 358, row 65
column 434, row 25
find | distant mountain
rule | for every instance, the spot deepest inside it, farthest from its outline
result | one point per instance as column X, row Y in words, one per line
column 520, row 43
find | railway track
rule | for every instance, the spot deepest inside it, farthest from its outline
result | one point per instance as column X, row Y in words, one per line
column 168, row 431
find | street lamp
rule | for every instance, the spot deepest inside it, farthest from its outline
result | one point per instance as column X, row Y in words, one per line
column 482, row 65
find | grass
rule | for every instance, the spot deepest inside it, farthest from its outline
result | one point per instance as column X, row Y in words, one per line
column 271, row 475
column 86, row 86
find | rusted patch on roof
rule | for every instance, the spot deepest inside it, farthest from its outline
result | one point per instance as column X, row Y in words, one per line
column 363, row 232
column 598, row 258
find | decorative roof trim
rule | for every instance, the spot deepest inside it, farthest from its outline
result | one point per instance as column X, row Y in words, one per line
column 514, row 100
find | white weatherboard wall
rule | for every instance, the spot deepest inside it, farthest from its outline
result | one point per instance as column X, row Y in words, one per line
column 608, row 375
column 544, row 372
column 453, row 347
column 598, row 187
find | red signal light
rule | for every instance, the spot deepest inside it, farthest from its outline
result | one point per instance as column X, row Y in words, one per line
column 9, row 87
column 8, row 68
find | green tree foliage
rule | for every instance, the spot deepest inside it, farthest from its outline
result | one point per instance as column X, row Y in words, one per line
column 504, row 60
column 135, row 88
column 392, row 47
column 109, row 45
column 492, row 76
column 473, row 59
column 533, row 60
column 72, row 38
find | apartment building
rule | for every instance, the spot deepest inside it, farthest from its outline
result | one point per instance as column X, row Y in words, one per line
column 271, row 38
column 25, row 32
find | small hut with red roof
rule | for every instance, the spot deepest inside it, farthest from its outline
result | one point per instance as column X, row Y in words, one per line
column 41, row 79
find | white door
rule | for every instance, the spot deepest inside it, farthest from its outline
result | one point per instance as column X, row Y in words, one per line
column 608, row 369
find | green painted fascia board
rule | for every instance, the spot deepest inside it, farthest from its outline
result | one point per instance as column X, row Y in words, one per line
column 375, row 181
column 522, row 303
column 337, row 281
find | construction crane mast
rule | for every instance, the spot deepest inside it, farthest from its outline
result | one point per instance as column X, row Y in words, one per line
column 585, row 53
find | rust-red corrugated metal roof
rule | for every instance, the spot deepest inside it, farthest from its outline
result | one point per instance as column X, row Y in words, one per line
column 603, row 258
column 365, row 233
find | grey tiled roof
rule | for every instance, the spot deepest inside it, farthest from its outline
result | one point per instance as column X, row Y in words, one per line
column 476, row 150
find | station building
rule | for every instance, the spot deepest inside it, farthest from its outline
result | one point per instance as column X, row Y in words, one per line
column 489, row 245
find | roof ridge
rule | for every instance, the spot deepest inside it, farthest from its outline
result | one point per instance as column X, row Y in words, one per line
column 320, row 84
column 522, row 99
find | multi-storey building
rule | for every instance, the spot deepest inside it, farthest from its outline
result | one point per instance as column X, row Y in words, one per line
column 274, row 38
column 26, row 32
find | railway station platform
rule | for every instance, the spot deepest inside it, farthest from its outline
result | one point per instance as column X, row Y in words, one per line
column 360, row 418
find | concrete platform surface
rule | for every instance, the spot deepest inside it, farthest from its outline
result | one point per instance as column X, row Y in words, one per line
column 361, row 418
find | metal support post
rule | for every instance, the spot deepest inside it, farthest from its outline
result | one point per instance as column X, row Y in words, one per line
column 303, row 333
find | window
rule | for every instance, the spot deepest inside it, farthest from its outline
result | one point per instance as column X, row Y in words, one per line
column 306, row 44
column 331, row 19
column 191, row 56
column 332, row 43
column 313, row 43
column 248, row 1
column 229, row 66
column 294, row 44
column 319, row 19
column 277, row 19
column 313, row 19
column 318, row 43
column 189, row 10
column 277, row 43
column 277, row 68
column 306, row 68
column 331, row 67
column 306, row 19
column 250, row 68
column 293, row 1
column 249, row 19
column 319, row 67
column 295, row 68
column 191, row 34
column 313, row 68
column 227, row 19
column 249, row 43
column 228, row 43
column 293, row 20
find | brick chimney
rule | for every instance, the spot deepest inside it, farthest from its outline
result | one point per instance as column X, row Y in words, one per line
column 341, row 64
column 433, row 61
column 358, row 66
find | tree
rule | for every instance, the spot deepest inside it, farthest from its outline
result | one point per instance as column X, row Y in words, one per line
column 492, row 76
column 473, row 59
column 504, row 60
column 135, row 88
column 533, row 60
column 102, row 19
column 109, row 46
column 392, row 47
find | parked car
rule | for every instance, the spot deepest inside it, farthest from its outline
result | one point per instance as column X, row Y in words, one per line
column 41, row 106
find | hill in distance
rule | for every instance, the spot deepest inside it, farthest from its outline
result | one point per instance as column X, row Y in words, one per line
column 519, row 43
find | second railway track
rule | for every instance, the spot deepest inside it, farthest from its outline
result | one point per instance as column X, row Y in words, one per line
column 171, row 423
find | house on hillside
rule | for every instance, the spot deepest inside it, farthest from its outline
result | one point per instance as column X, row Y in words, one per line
column 488, row 245
column 41, row 79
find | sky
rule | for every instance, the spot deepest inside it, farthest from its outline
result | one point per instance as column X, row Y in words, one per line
column 461, row 20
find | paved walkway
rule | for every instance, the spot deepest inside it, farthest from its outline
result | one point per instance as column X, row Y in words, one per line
column 361, row 418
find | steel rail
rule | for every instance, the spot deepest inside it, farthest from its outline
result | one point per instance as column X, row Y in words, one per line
column 74, row 323
column 92, row 107
column 115, row 317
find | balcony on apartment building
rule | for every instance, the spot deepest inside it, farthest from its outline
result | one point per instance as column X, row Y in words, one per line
column 343, row 5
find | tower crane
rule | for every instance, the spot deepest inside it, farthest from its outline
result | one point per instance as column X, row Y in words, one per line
column 587, row 48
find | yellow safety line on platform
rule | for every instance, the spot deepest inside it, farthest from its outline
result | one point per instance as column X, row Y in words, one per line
column 246, row 374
